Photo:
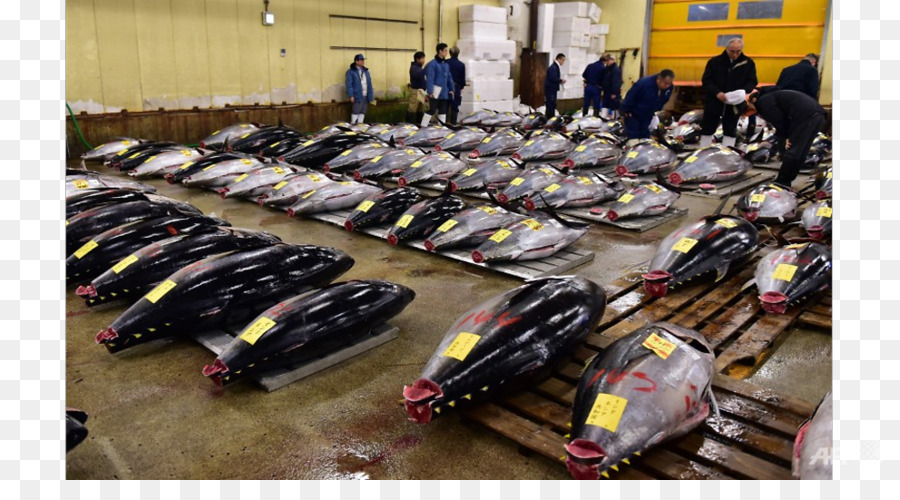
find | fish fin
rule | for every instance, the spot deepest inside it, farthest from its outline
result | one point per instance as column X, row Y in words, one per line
column 614, row 467
column 527, row 135
column 748, row 284
column 448, row 190
column 280, row 123
column 714, row 405
column 391, row 142
column 605, row 474
column 552, row 213
column 344, row 129
column 721, row 271
column 568, row 436
column 637, row 453
column 626, row 461
column 721, row 205
column 587, row 364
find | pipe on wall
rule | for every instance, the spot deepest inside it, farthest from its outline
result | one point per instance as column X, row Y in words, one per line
column 440, row 21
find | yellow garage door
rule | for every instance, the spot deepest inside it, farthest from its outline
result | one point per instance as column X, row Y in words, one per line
column 685, row 34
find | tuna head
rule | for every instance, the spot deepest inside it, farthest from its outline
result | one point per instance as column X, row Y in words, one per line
column 792, row 273
column 643, row 200
column 646, row 387
column 533, row 121
column 527, row 240
column 768, row 203
column 510, row 337
column 813, row 447
column 710, row 244
column 712, row 164
column 817, row 219
column 823, row 182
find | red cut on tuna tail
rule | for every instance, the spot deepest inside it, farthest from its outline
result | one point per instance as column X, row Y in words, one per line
column 437, row 147
column 657, row 283
column 821, row 195
column 419, row 397
column 326, row 168
column 453, row 187
column 675, row 178
column 474, row 154
column 214, row 371
column 108, row 334
column 568, row 163
column 356, row 175
column 290, row 212
column 401, row 182
column 529, row 204
column 477, row 257
column 621, row 170
column 429, row 245
column 516, row 156
column 86, row 291
column 774, row 302
column 393, row 239
column 612, row 215
column 815, row 232
column 262, row 199
column 170, row 178
column 222, row 192
column 750, row 215
column 348, row 225
column 583, row 459
column 502, row 198
column 202, row 144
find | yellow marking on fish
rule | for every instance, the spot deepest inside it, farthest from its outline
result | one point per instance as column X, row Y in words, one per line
column 552, row 187
column 529, row 142
column 416, row 164
column 446, row 226
column 308, row 194
column 727, row 223
column 365, row 205
column 757, row 198
column 654, row 188
column 486, row 140
column 488, row 210
column 241, row 177
column 345, row 153
column 824, row 212
column 516, row 181
column 533, row 224
column 186, row 165
column 632, row 154
column 469, row 172
column 375, row 160
column 662, row 347
column 580, row 148
column 280, row 185
column 80, row 184
column 690, row 159
column 150, row 159
column 278, row 170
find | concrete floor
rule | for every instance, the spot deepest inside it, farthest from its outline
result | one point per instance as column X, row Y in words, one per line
column 154, row 416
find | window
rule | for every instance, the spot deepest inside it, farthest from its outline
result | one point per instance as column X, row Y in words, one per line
column 760, row 10
column 708, row 12
column 722, row 40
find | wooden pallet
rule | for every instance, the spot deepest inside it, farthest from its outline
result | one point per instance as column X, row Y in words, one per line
column 639, row 224
column 753, row 439
column 725, row 189
column 217, row 340
column 557, row 264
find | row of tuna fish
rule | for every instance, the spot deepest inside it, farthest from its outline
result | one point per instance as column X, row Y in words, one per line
column 184, row 272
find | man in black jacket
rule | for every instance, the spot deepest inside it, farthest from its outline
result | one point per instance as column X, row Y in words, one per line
column 797, row 118
column 458, row 72
column 416, row 106
column 551, row 85
column 729, row 71
column 801, row 77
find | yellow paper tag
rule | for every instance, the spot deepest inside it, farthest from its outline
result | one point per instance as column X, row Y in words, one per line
column 278, row 170
column 247, row 161
column 824, row 212
column 308, row 194
column 690, row 159
column 607, row 411
column 547, row 171
column 241, row 177
column 486, row 140
column 404, row 221
column 533, row 224
column 586, row 181
column 500, row 235
column 307, row 143
column 625, row 198
column 411, row 152
column 120, row 153
column 273, row 145
column 653, row 187
column 135, row 155
column 245, row 135
column 450, row 136
column 828, row 175
column 345, row 153
column 632, row 154
column 469, row 172
column 365, row 205
column 684, row 245
column 796, row 245
column 122, row 264
column 488, row 210
column 727, row 223
column 757, row 198
column 461, row 346
column 552, row 187
column 516, row 181
column 253, row 332
column 662, row 347
column 314, row 178
column 375, row 160
column 446, row 226
column 416, row 164
column 529, row 142
column 160, row 290
column 85, row 249
column 209, row 167
column 186, row 165
column 186, row 152
column 503, row 164
column 784, row 272
column 80, row 184
column 580, row 148
column 148, row 160
column 280, row 185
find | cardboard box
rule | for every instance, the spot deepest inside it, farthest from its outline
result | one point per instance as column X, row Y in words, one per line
column 488, row 90
column 579, row 24
column 482, row 31
column 487, row 50
column 482, row 13
column 571, row 39
column 486, row 70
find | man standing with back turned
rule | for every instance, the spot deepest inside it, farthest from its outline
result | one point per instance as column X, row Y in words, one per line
column 593, row 79
column 801, row 77
column 458, row 73
column 731, row 70
column 551, row 85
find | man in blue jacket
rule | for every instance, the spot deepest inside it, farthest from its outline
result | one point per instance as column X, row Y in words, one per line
column 612, row 87
column 439, row 86
column 458, row 73
column 646, row 97
column 551, row 85
column 359, row 88
column 593, row 79
column 801, row 77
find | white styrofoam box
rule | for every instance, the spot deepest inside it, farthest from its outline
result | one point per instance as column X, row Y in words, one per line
column 594, row 12
column 571, row 9
column 580, row 24
column 571, row 92
column 599, row 29
column 570, row 52
column 545, row 28
column 598, row 43
column 483, row 31
column 488, row 90
column 571, row 38
column 486, row 70
column 487, row 50
column 482, row 13
column 467, row 107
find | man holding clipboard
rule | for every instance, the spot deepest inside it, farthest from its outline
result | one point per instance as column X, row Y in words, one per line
column 439, row 86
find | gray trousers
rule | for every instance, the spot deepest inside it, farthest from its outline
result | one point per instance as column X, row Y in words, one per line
column 360, row 107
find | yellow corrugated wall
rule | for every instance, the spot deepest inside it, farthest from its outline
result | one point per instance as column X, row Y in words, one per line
column 147, row 54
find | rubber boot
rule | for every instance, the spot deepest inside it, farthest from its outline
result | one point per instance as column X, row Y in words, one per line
column 705, row 141
column 728, row 141
column 418, row 118
column 442, row 118
column 426, row 119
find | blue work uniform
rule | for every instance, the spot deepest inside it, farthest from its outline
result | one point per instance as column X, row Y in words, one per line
column 593, row 81
column 643, row 100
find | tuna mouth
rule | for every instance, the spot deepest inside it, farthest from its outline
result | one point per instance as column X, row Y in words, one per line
column 676, row 178
column 429, row 245
column 502, row 198
column 215, row 371
column 477, row 257
column 815, row 232
column 393, row 239
column 569, row 163
column 529, row 204
column 419, row 398
column 401, row 142
column 621, row 170
column 516, row 156
column 612, row 215
column 104, row 336
column 774, row 302
column 86, row 292
column 656, row 283
column 348, row 225
column 401, row 182
column 170, row 178
column 356, row 175
column 750, row 215
column 583, row 459
column 474, row 154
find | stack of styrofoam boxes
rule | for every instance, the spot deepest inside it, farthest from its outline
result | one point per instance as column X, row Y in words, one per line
column 572, row 37
column 486, row 52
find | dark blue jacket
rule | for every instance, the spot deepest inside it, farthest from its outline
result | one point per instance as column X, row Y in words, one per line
column 458, row 73
column 437, row 72
column 551, row 84
column 416, row 76
column 593, row 73
column 354, row 84
column 612, row 79
column 645, row 98
column 801, row 77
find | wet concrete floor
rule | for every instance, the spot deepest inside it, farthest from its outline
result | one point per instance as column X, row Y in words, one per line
column 154, row 416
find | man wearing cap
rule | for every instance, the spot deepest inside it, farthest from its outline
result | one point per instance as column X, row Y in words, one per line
column 647, row 96
column 801, row 77
column 359, row 88
column 593, row 79
column 729, row 71
column 797, row 118
column 439, row 85
column 612, row 87
column 458, row 73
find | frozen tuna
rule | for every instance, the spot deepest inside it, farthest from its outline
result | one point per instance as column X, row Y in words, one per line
column 793, row 273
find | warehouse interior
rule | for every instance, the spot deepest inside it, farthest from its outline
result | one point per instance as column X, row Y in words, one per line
column 161, row 71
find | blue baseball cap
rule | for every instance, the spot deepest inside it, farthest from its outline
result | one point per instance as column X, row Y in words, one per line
column 359, row 57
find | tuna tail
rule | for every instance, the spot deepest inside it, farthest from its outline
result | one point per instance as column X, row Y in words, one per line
column 721, row 206
column 391, row 142
column 448, row 189
column 225, row 145
column 552, row 213
column 527, row 135
column 280, row 123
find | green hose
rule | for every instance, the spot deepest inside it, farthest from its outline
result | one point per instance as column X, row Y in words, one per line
column 77, row 128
